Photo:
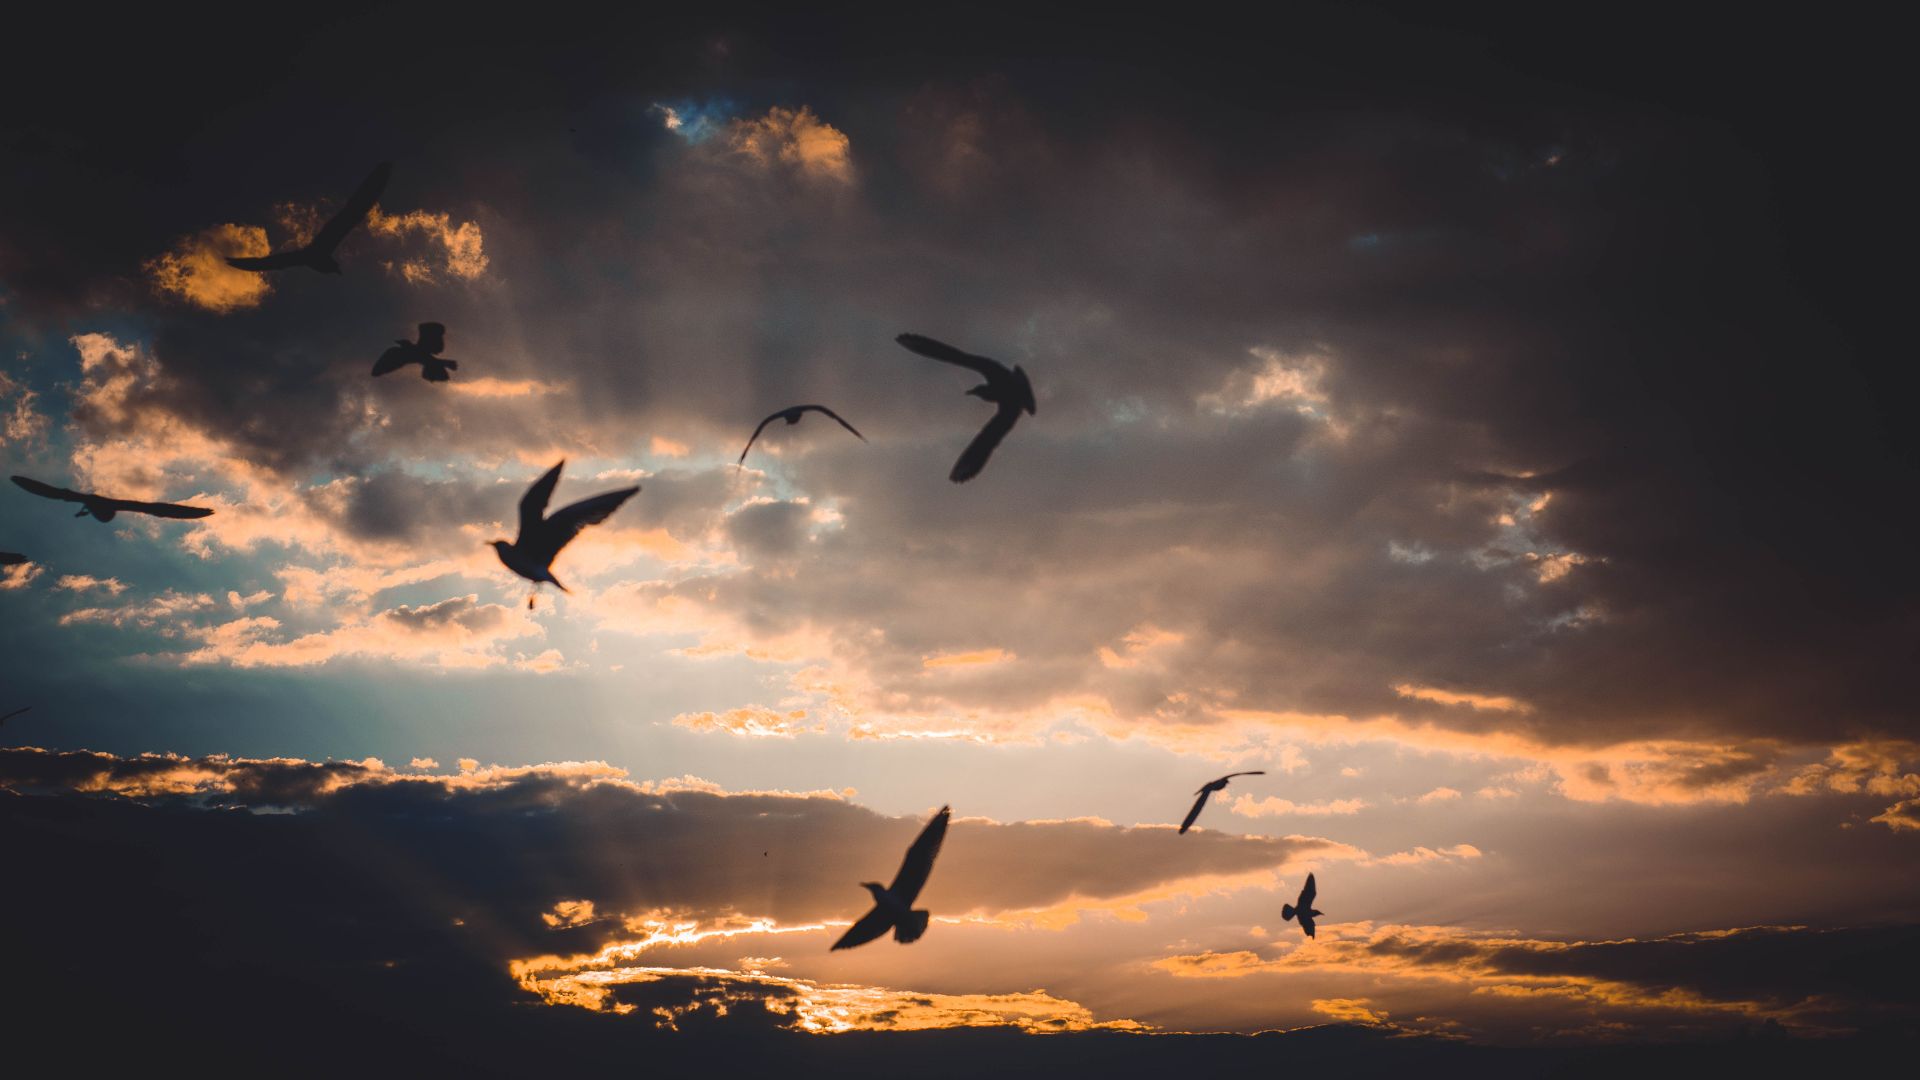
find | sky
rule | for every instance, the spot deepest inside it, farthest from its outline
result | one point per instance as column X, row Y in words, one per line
column 1484, row 427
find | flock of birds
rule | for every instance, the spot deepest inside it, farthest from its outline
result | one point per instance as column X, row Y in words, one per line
column 542, row 535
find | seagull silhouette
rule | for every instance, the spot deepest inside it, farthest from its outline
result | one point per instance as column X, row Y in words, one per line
column 104, row 508
column 792, row 416
column 16, row 712
column 1208, row 789
column 425, row 352
column 318, row 254
column 1302, row 908
column 542, row 536
column 893, row 905
column 1006, row 387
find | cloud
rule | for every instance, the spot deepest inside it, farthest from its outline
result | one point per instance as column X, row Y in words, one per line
column 754, row 721
column 196, row 270
column 459, row 251
column 1273, row 806
column 796, row 139
column 21, row 421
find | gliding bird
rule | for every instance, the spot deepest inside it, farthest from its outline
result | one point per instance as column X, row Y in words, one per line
column 542, row 535
column 893, row 905
column 104, row 508
column 792, row 416
column 318, row 254
column 1302, row 908
column 425, row 352
column 1006, row 387
column 1209, row 788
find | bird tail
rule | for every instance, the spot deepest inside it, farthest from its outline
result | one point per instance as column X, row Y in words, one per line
column 557, row 585
column 910, row 927
column 1286, row 912
column 436, row 370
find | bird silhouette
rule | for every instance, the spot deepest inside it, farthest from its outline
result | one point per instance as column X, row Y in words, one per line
column 425, row 352
column 893, row 905
column 542, row 535
column 318, row 254
column 12, row 558
column 1006, row 387
column 104, row 508
column 1208, row 789
column 16, row 712
column 792, row 416
column 1302, row 908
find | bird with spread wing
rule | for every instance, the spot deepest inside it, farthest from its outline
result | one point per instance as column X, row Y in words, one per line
column 542, row 535
column 1302, row 908
column 893, row 905
column 792, row 416
column 104, row 508
column 318, row 252
column 425, row 352
column 1006, row 387
column 1208, row 789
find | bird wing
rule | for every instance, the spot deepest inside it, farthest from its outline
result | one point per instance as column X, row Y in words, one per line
column 1305, row 903
column 841, row 420
column 1249, row 772
column 12, row 558
column 871, row 925
column 1195, row 812
column 352, row 214
column 974, row 457
column 919, row 861
column 533, row 505
column 1306, row 923
column 392, row 360
column 165, row 510
column 565, row 523
column 279, row 260
column 16, row 712
column 940, row 350
column 756, row 434
column 48, row 491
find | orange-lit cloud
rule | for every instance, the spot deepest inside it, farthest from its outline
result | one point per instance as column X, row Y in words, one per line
column 1271, row 806
column 1448, row 697
column 975, row 658
column 20, row 418
column 457, row 251
column 794, row 138
column 196, row 270
column 753, row 720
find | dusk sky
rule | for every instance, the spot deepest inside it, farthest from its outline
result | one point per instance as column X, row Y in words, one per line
column 1484, row 428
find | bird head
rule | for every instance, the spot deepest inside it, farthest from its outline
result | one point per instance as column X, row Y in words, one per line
column 500, row 547
column 873, row 887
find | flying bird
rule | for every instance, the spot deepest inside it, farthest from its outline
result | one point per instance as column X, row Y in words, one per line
column 542, row 535
column 425, row 352
column 1302, row 908
column 1006, row 387
column 893, row 905
column 104, row 508
column 792, row 416
column 1208, row 789
column 16, row 712
column 318, row 254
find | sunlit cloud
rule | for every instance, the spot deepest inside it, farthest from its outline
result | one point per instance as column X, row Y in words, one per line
column 196, row 270
column 753, row 720
column 794, row 138
column 457, row 251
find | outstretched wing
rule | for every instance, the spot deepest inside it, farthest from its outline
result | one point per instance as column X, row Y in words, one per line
column 1305, row 903
column 14, row 713
column 871, row 925
column 165, row 510
column 533, row 505
column 940, row 350
column 974, row 457
column 279, row 260
column 12, row 558
column 48, row 491
column 1306, row 923
column 358, row 205
column 756, row 435
column 1195, row 812
column 565, row 523
column 919, row 861
column 392, row 360
column 1249, row 772
column 837, row 417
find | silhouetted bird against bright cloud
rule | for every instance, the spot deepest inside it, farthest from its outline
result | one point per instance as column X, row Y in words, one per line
column 1006, row 387
column 893, row 905
column 425, row 352
column 1208, row 789
column 318, row 254
column 104, row 508
column 1302, row 908
column 542, row 536
column 792, row 416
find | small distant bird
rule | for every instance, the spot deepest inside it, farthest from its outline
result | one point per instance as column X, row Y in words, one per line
column 792, row 416
column 1006, row 387
column 318, row 254
column 425, row 352
column 104, row 508
column 1208, row 789
column 542, row 536
column 16, row 712
column 893, row 905
column 1302, row 908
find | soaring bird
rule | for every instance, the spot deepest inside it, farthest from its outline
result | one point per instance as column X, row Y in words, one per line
column 318, row 254
column 1302, row 908
column 792, row 416
column 103, row 508
column 425, row 352
column 14, row 713
column 542, row 535
column 1208, row 789
column 1006, row 387
column 893, row 905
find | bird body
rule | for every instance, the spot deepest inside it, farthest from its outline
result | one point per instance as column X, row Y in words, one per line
column 1207, row 789
column 104, row 508
column 1008, row 388
column 425, row 352
column 792, row 416
column 531, row 553
column 318, row 252
column 893, row 904
column 1302, row 908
